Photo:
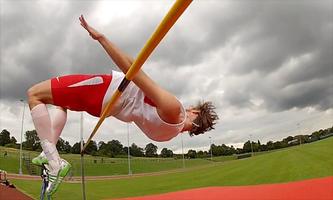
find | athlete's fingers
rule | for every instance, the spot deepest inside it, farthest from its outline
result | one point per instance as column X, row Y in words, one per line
column 83, row 22
column 85, row 25
column 80, row 18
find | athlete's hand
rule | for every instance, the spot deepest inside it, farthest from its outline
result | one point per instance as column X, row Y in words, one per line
column 92, row 32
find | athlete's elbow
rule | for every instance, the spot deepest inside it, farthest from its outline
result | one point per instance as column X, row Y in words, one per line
column 174, row 115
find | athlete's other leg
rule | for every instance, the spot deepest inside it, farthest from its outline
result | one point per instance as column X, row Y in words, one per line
column 58, row 122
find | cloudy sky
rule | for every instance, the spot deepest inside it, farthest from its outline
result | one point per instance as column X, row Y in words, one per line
column 267, row 65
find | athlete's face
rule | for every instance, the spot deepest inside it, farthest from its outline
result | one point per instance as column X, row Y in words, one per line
column 192, row 113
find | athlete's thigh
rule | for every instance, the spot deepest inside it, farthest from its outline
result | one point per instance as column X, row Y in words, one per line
column 42, row 91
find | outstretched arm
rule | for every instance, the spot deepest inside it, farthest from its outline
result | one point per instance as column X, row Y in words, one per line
column 168, row 107
column 121, row 60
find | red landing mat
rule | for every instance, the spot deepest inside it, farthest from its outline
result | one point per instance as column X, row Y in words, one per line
column 313, row 189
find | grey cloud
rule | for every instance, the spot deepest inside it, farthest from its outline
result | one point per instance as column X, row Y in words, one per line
column 30, row 38
column 314, row 93
column 279, row 33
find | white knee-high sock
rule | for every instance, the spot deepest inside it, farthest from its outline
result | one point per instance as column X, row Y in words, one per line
column 58, row 122
column 41, row 119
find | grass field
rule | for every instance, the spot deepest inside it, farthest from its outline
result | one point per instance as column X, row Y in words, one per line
column 106, row 166
column 119, row 166
column 296, row 163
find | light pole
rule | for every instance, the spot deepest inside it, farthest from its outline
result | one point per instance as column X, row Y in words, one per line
column 251, row 144
column 299, row 131
column 211, row 150
column 128, row 152
column 20, row 170
column 82, row 161
column 181, row 136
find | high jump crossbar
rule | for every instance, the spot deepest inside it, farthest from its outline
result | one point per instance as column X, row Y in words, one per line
column 168, row 21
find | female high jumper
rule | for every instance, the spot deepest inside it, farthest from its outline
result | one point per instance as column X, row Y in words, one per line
column 157, row 112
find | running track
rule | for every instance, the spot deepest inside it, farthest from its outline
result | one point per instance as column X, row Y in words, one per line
column 7, row 193
column 313, row 189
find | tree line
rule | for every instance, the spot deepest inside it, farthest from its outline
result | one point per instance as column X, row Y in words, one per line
column 114, row 148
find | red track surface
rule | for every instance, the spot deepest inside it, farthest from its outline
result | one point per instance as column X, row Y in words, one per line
column 7, row 193
column 314, row 189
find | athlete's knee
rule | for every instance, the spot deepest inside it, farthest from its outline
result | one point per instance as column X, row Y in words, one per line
column 40, row 93
column 32, row 94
